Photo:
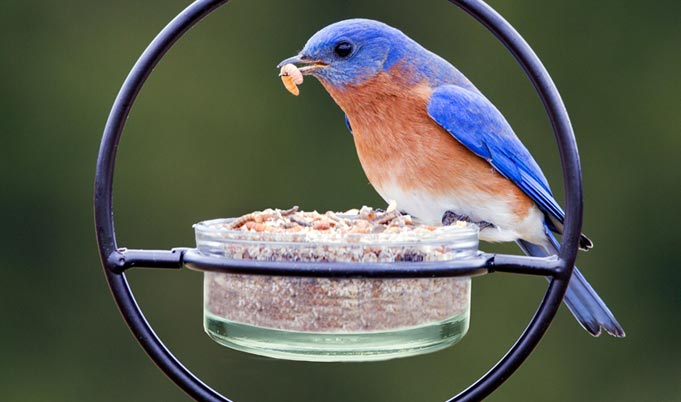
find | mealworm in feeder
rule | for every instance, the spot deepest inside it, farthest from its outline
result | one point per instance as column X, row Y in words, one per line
column 291, row 77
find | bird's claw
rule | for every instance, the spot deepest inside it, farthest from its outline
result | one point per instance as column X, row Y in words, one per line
column 450, row 217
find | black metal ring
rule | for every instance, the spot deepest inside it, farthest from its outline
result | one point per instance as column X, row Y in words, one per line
column 115, row 260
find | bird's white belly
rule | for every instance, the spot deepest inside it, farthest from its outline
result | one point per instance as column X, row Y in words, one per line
column 478, row 206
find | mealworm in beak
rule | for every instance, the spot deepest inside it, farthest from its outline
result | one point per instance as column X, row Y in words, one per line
column 291, row 77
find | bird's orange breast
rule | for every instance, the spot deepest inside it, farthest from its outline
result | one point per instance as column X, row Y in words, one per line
column 398, row 144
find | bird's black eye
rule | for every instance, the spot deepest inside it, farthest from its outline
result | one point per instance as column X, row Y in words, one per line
column 343, row 49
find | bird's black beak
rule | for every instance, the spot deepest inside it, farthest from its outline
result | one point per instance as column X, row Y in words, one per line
column 305, row 64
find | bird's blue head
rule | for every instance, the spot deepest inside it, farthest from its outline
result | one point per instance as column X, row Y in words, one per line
column 352, row 51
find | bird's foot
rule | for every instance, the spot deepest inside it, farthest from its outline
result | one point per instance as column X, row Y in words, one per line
column 450, row 217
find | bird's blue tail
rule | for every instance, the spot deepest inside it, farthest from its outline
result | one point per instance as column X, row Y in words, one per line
column 581, row 299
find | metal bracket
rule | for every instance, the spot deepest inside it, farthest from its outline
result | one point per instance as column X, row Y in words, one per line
column 115, row 261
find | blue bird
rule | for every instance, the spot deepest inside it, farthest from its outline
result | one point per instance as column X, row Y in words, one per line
column 427, row 138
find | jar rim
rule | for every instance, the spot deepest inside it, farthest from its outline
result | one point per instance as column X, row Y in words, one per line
column 217, row 230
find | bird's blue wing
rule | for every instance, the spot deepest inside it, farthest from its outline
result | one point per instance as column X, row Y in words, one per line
column 479, row 126
column 347, row 124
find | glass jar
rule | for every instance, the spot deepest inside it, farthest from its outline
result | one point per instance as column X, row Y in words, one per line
column 335, row 319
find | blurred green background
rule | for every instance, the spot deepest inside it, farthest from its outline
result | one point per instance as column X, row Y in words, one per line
column 215, row 134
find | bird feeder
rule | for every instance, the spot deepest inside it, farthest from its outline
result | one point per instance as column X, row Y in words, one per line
column 466, row 263
column 337, row 318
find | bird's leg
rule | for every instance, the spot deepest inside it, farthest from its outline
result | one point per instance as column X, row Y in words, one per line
column 484, row 225
column 450, row 217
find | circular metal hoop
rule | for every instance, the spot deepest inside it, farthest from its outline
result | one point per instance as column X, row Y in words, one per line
column 114, row 259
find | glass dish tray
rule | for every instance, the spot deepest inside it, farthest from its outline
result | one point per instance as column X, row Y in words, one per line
column 336, row 319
